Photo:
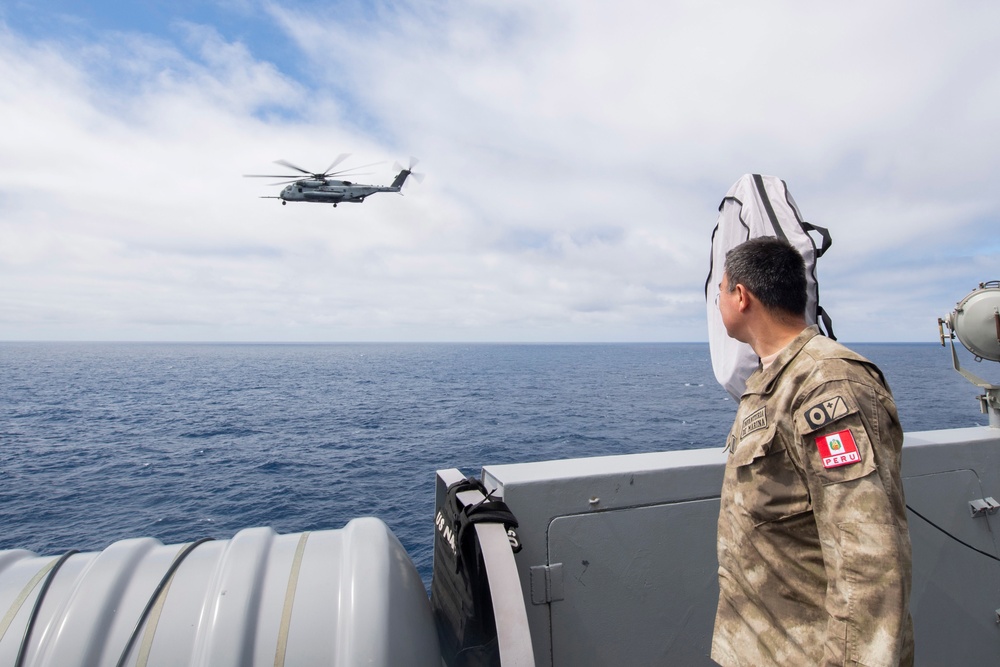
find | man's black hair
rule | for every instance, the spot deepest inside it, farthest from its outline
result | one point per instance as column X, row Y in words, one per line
column 774, row 272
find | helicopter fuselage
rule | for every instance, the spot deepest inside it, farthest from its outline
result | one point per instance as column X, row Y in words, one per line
column 329, row 191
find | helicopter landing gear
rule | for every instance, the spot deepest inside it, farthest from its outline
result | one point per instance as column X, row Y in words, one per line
column 335, row 206
column 284, row 203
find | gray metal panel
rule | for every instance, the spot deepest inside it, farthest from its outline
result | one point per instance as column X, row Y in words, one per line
column 952, row 584
column 655, row 567
column 956, row 591
column 539, row 493
column 943, row 499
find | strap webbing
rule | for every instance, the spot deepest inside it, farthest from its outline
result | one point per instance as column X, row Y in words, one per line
column 778, row 231
column 286, row 612
column 25, row 592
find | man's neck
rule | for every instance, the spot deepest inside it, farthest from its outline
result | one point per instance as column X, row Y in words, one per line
column 774, row 336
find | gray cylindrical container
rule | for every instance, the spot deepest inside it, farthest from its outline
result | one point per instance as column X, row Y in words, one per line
column 338, row 597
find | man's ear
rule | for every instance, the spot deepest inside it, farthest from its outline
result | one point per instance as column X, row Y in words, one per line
column 744, row 298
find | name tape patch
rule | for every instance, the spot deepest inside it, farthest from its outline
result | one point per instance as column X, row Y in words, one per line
column 754, row 422
column 838, row 449
column 827, row 411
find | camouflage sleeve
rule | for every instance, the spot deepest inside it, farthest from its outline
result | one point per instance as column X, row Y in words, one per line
column 864, row 554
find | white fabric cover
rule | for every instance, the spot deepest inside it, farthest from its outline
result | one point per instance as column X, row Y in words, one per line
column 743, row 215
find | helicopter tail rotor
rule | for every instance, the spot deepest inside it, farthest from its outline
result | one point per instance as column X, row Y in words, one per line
column 405, row 172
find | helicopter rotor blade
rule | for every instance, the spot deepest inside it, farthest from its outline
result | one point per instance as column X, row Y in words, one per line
column 340, row 176
column 329, row 173
column 285, row 163
column 283, row 176
column 340, row 158
column 345, row 171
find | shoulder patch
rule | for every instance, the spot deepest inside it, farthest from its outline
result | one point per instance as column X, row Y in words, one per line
column 823, row 413
column 838, row 449
column 754, row 422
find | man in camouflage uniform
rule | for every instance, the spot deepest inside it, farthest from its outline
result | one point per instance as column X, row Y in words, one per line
column 814, row 550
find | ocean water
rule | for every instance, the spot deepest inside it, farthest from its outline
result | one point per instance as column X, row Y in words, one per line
column 101, row 442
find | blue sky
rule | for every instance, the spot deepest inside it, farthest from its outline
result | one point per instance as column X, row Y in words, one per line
column 575, row 153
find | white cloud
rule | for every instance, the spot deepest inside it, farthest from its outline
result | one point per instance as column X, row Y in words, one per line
column 576, row 154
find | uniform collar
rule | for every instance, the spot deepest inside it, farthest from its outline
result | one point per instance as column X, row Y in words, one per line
column 762, row 381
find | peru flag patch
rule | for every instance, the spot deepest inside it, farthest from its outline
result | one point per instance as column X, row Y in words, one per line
column 838, row 449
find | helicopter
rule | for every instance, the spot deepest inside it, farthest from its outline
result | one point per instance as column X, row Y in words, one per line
column 323, row 188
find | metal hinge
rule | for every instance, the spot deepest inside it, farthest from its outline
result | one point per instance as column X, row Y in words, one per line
column 983, row 507
column 546, row 583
